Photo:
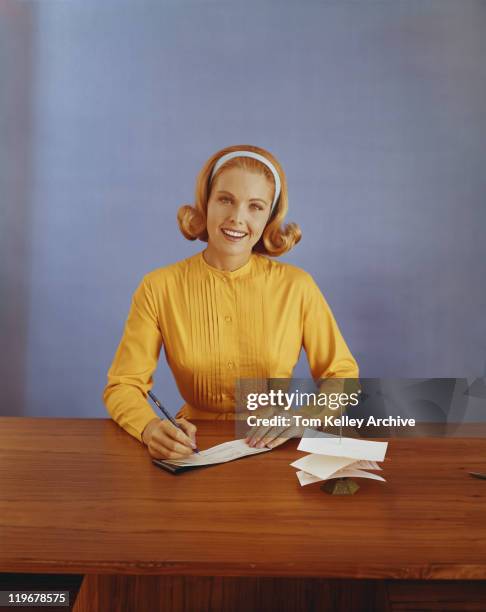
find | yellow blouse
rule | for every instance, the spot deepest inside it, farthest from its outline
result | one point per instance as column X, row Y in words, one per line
column 217, row 326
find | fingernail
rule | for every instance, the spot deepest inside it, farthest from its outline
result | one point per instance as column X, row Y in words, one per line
column 260, row 445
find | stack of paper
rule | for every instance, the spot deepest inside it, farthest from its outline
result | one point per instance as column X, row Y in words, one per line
column 336, row 457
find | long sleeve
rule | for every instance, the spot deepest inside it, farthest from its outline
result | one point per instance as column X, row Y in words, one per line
column 130, row 374
column 327, row 352
column 333, row 366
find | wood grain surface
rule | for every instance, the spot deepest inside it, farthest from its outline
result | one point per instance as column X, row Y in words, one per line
column 82, row 496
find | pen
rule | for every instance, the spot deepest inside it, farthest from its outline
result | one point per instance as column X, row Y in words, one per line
column 478, row 475
column 167, row 415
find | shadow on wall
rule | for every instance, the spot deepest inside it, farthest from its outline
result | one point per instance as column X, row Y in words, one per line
column 16, row 34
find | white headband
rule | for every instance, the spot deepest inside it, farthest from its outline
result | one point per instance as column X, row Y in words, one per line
column 222, row 160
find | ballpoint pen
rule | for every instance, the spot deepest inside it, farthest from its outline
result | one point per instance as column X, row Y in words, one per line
column 167, row 415
column 478, row 475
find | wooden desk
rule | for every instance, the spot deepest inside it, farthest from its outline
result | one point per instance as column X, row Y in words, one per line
column 82, row 497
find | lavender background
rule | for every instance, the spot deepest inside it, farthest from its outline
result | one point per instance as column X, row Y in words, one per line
column 377, row 111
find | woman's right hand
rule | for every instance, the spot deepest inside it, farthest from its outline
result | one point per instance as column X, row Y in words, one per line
column 164, row 441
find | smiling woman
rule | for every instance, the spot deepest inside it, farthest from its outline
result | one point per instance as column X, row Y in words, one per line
column 238, row 210
column 228, row 312
column 249, row 177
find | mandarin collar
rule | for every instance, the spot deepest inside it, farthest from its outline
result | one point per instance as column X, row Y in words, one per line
column 228, row 274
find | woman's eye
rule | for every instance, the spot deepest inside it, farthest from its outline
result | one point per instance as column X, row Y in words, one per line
column 225, row 200
column 256, row 207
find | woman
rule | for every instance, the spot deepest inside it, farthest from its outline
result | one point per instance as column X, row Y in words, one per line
column 228, row 312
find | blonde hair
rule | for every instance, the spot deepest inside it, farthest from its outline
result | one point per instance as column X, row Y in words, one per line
column 276, row 239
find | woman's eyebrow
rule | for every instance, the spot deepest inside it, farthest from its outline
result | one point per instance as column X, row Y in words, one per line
column 259, row 200
column 252, row 199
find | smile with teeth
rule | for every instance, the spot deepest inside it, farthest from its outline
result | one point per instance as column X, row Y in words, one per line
column 233, row 234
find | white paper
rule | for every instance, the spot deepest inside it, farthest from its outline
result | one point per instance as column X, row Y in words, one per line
column 353, row 473
column 366, row 465
column 305, row 478
column 321, row 443
column 221, row 453
column 320, row 465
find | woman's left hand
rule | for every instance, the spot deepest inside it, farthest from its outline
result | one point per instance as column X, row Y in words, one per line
column 258, row 437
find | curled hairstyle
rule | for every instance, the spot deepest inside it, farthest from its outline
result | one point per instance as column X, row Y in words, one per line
column 276, row 238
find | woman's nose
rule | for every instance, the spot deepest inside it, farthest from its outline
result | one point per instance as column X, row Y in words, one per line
column 237, row 215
